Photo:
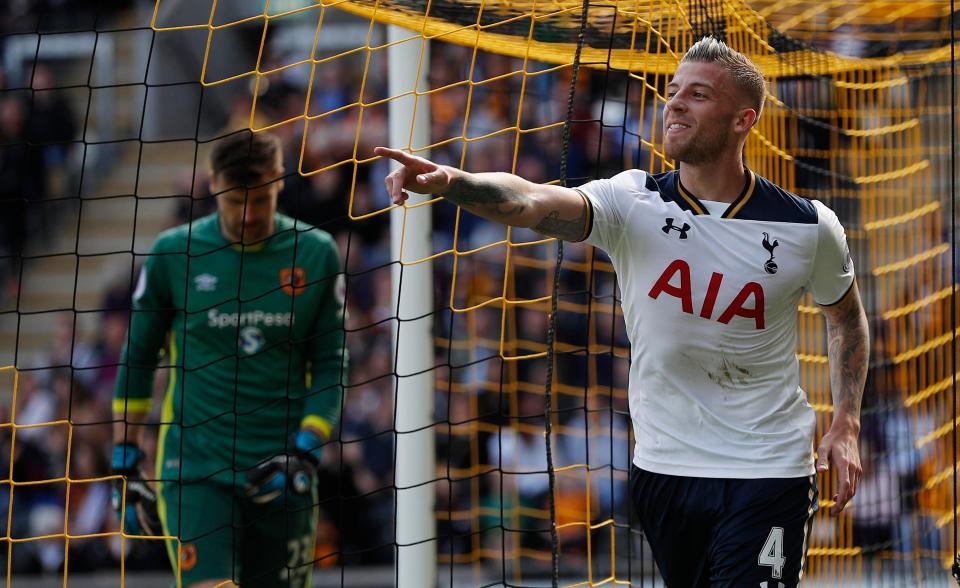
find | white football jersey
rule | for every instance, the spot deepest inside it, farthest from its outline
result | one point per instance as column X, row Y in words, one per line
column 710, row 305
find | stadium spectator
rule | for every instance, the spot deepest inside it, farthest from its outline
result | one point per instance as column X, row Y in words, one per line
column 89, row 507
column 69, row 350
column 39, row 455
column 598, row 437
column 239, row 491
column 36, row 128
column 518, row 452
column 724, row 479
column 368, row 453
column 52, row 129
column 877, row 516
column 109, row 346
column 21, row 182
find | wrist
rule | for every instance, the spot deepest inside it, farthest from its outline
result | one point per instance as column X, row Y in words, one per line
column 126, row 457
column 454, row 178
column 316, row 425
column 309, row 444
column 845, row 422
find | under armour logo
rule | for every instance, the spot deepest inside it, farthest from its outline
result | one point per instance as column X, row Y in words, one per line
column 766, row 584
column 770, row 266
column 669, row 227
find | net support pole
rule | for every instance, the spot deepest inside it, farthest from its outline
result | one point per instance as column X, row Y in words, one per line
column 412, row 289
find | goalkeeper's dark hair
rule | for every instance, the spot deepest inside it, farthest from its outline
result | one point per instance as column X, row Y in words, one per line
column 746, row 76
column 246, row 158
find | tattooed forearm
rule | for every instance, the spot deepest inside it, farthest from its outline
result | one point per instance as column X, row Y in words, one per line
column 848, row 351
column 514, row 201
column 568, row 230
column 487, row 198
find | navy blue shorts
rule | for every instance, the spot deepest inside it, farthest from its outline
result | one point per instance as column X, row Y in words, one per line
column 715, row 532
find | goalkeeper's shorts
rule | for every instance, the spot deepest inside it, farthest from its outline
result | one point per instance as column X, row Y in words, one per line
column 726, row 533
column 224, row 535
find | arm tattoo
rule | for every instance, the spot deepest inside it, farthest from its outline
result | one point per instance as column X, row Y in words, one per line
column 568, row 230
column 498, row 201
column 848, row 351
column 486, row 198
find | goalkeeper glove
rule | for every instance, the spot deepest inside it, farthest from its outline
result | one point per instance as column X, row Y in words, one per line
column 139, row 515
column 295, row 471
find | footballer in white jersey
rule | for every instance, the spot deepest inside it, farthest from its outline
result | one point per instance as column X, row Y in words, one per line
column 710, row 305
column 724, row 433
column 722, row 481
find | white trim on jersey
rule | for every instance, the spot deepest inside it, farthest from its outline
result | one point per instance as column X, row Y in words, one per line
column 811, row 509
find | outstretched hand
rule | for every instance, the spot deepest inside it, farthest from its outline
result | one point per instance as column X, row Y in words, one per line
column 416, row 174
column 839, row 448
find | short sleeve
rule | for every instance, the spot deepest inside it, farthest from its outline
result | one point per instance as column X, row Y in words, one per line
column 608, row 200
column 832, row 273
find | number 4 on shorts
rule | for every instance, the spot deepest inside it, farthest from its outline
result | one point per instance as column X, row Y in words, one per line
column 772, row 552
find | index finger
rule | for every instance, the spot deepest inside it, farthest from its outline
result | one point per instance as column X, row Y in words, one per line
column 402, row 157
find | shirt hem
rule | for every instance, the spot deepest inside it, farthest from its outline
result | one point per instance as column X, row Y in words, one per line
column 751, row 472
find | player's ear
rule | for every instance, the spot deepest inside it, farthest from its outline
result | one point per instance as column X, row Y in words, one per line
column 280, row 174
column 746, row 119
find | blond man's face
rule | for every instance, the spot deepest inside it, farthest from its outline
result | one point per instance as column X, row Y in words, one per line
column 701, row 114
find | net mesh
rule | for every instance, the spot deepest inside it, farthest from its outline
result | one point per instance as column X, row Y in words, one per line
column 858, row 115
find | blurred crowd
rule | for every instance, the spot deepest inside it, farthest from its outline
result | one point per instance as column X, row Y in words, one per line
column 40, row 138
column 38, row 165
column 73, row 382
column 493, row 488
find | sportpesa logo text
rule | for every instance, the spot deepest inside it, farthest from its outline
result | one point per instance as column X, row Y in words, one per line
column 254, row 318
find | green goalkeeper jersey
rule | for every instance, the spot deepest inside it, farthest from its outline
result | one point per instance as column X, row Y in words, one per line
column 254, row 345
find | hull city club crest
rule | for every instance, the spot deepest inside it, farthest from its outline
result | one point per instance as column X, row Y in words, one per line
column 293, row 280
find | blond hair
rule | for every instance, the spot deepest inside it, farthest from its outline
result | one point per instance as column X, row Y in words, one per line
column 746, row 76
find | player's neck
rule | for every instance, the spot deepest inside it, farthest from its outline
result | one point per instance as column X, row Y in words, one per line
column 720, row 180
column 245, row 240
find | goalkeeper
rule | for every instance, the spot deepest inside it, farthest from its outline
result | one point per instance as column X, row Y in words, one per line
column 249, row 306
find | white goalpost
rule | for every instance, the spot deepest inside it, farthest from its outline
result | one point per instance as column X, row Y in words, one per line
column 410, row 238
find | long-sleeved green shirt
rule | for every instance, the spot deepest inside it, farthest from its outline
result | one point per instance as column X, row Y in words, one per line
column 254, row 338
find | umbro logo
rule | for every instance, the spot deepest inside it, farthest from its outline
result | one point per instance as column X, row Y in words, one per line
column 666, row 228
column 205, row 283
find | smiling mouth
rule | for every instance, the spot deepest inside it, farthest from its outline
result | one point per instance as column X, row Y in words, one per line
column 675, row 127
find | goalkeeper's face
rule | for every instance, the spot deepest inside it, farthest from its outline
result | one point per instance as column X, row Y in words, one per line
column 247, row 214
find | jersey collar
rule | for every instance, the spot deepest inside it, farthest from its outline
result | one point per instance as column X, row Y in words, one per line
column 253, row 247
column 732, row 209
